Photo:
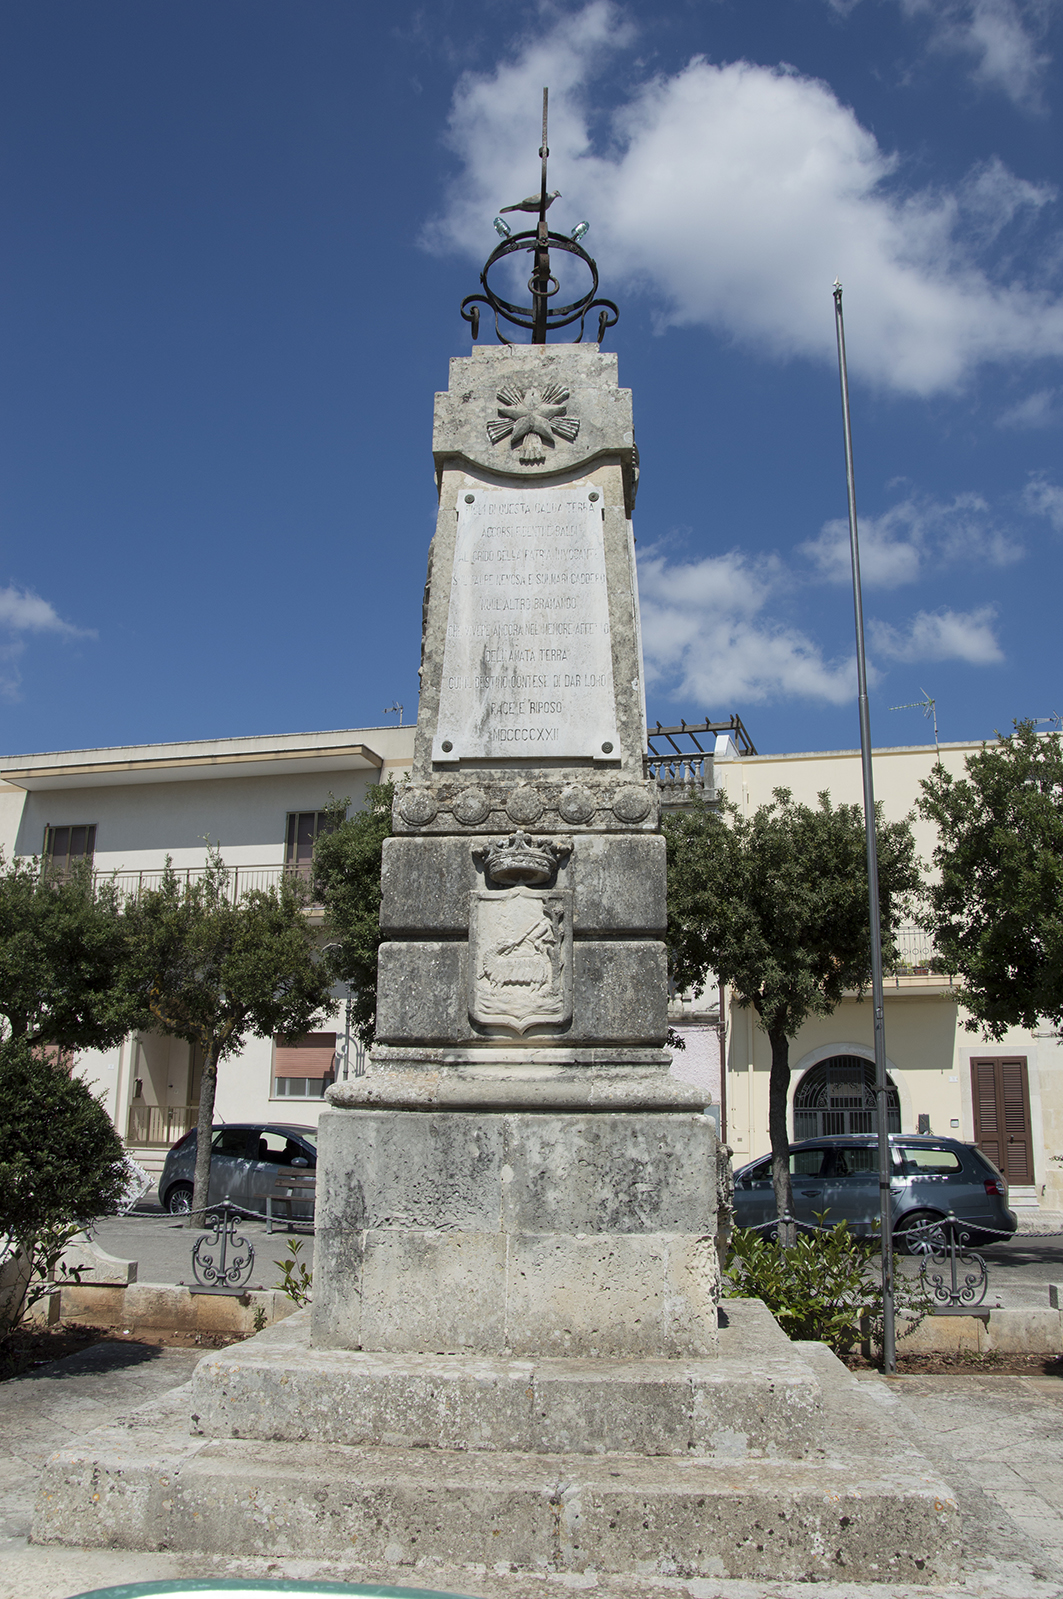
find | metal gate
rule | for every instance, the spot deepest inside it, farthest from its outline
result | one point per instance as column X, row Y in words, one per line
column 838, row 1097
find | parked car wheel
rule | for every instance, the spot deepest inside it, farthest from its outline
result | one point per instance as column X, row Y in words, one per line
column 179, row 1199
column 903, row 1240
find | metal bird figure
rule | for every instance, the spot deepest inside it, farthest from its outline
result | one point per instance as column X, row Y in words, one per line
column 534, row 202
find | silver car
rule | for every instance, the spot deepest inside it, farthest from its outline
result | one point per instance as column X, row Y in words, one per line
column 246, row 1160
column 837, row 1178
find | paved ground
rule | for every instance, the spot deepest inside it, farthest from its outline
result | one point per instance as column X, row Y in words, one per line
column 997, row 1440
column 162, row 1246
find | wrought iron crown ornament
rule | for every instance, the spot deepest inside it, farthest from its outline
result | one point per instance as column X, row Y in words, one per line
column 540, row 316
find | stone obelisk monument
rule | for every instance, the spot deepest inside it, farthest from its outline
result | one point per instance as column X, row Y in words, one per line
column 516, row 1362
column 518, row 1173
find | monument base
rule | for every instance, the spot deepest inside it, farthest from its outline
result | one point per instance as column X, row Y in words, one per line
column 769, row 1461
column 530, row 1211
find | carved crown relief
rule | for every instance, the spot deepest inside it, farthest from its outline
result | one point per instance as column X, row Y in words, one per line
column 533, row 421
column 520, row 859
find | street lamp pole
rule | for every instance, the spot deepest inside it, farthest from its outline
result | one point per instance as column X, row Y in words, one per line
column 889, row 1342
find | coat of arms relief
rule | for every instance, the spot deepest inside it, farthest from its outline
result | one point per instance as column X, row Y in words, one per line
column 520, row 973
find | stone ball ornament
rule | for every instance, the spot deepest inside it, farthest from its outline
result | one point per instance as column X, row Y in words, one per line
column 418, row 808
column 632, row 804
column 524, row 805
column 576, row 804
column 471, row 807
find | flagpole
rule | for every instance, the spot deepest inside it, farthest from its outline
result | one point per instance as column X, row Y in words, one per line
column 889, row 1341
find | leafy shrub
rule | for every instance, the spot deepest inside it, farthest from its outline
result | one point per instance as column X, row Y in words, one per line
column 827, row 1286
column 296, row 1280
column 347, row 862
column 61, row 1162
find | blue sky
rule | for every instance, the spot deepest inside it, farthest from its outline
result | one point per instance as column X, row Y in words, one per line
column 235, row 237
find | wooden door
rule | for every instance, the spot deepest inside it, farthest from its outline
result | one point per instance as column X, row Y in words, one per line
column 1001, row 1095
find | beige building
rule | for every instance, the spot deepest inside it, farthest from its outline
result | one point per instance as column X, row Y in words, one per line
column 1006, row 1096
column 129, row 808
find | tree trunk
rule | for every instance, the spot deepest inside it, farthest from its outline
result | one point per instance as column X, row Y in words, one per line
column 208, row 1088
column 778, row 1089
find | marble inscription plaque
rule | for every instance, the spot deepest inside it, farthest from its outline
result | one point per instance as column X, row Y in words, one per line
column 527, row 666
column 520, row 959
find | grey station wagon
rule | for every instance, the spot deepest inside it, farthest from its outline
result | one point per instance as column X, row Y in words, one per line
column 246, row 1160
column 839, row 1176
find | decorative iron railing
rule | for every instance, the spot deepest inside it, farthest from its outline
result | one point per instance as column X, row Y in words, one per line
column 159, row 1126
column 917, row 956
column 222, row 1258
column 241, row 878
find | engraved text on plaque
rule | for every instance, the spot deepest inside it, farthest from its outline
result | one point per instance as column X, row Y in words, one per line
column 527, row 668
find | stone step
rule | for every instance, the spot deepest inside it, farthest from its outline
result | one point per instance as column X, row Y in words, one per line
column 874, row 1517
column 758, row 1397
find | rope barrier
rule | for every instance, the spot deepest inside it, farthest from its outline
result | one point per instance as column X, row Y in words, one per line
column 921, row 1227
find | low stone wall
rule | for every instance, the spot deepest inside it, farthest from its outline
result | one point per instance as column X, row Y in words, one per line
column 162, row 1305
column 1006, row 1332
column 167, row 1307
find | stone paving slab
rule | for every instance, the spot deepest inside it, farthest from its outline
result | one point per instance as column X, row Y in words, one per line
column 44, row 1409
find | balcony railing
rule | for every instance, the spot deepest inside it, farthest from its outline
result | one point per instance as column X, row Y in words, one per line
column 681, row 777
column 159, row 1125
column 917, row 956
column 241, row 878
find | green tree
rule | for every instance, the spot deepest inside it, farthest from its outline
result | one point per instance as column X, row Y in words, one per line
column 776, row 906
column 347, row 864
column 61, row 1162
column 62, row 944
column 210, row 970
column 996, row 911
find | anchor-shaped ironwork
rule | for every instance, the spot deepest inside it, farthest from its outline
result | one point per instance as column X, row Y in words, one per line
column 222, row 1259
column 539, row 317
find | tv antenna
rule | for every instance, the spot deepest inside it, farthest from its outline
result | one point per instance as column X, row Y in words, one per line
column 390, row 709
column 929, row 708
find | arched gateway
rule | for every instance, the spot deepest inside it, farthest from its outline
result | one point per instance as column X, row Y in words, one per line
column 838, row 1096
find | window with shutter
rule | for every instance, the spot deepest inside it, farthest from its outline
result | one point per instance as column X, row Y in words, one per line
column 65, row 845
column 301, row 832
column 304, row 1068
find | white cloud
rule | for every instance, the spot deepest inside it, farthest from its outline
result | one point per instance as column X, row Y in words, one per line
column 735, row 194
column 23, row 613
column 706, row 636
column 1001, row 39
column 1042, row 498
column 1038, row 410
column 912, row 537
column 943, row 635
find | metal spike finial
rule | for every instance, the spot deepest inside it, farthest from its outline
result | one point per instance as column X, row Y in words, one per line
column 540, row 316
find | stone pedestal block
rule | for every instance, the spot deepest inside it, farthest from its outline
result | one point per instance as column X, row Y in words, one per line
column 528, row 1232
column 756, row 1399
column 617, row 883
column 619, row 995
